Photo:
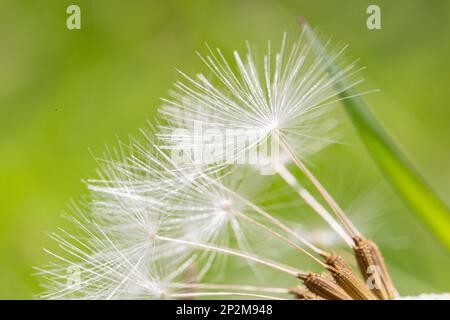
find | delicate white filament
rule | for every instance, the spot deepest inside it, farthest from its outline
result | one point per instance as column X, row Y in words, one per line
column 279, row 236
column 236, row 253
column 323, row 192
column 313, row 203
column 269, row 217
column 229, row 287
column 223, row 293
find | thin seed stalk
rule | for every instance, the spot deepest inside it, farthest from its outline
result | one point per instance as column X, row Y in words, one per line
column 227, row 251
column 322, row 191
column 369, row 258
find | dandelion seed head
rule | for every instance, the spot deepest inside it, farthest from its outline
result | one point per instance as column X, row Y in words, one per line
column 226, row 205
column 292, row 93
column 154, row 213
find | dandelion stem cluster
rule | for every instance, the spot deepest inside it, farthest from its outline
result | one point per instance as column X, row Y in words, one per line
column 159, row 226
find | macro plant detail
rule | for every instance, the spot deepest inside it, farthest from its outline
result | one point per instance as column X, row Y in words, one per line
column 167, row 209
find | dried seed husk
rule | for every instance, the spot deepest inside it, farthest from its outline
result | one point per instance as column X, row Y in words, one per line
column 303, row 293
column 369, row 256
column 324, row 286
column 345, row 277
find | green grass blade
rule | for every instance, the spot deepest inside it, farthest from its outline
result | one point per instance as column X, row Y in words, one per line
column 399, row 171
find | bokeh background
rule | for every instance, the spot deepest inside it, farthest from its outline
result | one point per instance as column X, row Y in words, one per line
column 65, row 94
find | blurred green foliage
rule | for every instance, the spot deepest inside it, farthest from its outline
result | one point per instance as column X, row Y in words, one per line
column 63, row 93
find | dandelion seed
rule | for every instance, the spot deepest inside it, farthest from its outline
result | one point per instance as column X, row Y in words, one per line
column 288, row 101
column 282, row 105
column 156, row 213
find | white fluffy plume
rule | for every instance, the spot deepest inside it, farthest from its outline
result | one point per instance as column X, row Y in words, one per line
column 158, row 220
column 291, row 94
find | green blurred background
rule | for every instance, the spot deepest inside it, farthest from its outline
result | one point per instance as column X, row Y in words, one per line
column 65, row 94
